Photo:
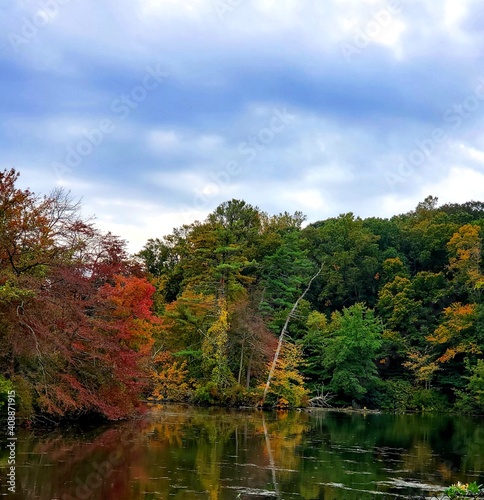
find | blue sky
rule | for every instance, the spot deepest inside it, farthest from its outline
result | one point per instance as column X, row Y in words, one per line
column 156, row 111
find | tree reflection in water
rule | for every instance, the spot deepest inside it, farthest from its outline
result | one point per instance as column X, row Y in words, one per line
column 217, row 454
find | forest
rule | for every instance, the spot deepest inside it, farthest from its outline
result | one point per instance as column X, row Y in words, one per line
column 389, row 316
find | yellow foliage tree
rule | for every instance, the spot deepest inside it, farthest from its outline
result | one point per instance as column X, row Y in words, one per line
column 458, row 320
column 214, row 349
column 422, row 365
column 465, row 251
column 170, row 379
column 287, row 384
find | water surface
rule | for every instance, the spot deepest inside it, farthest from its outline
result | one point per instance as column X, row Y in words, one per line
column 192, row 453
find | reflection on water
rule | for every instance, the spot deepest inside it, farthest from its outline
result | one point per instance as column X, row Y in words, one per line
column 192, row 453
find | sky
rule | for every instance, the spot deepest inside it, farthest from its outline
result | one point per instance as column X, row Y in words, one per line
column 156, row 111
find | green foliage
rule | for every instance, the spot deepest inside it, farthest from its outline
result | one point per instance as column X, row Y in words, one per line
column 420, row 270
column 11, row 293
column 240, row 396
column 476, row 383
column 23, row 398
column 5, row 387
column 297, row 328
column 73, row 304
column 352, row 262
column 283, row 273
column 396, row 395
column 206, row 394
column 429, row 400
column 471, row 400
column 314, row 345
column 460, row 490
column 351, row 350
column 214, row 350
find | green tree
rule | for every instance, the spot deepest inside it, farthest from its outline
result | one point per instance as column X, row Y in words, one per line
column 351, row 351
column 476, row 384
column 282, row 275
column 352, row 258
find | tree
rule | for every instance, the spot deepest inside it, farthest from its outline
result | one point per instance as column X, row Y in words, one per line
column 282, row 275
column 465, row 258
column 214, row 350
column 170, row 379
column 287, row 384
column 75, row 337
column 476, row 384
column 251, row 343
column 314, row 345
column 424, row 233
column 185, row 323
column 351, row 351
column 284, row 333
column 423, row 365
column 456, row 333
column 352, row 261
column 399, row 307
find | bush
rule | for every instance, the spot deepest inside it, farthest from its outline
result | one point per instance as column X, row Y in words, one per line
column 476, row 384
column 5, row 387
column 429, row 400
column 471, row 399
column 206, row 394
column 395, row 395
column 465, row 403
column 24, row 409
column 239, row 396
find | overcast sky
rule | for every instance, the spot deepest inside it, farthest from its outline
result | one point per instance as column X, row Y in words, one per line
column 156, row 111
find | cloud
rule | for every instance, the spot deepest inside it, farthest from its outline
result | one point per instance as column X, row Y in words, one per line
column 207, row 133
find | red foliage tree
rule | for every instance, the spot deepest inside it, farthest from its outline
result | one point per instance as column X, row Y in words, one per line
column 75, row 313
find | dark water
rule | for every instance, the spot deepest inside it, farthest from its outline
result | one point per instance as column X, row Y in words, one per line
column 189, row 453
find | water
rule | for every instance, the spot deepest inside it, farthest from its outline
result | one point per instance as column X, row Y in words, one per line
column 191, row 453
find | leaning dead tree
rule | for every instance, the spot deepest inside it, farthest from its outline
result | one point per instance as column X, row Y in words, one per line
column 283, row 333
column 322, row 399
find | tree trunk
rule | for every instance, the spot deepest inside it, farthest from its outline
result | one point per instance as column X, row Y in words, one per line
column 283, row 332
column 239, row 379
column 247, row 382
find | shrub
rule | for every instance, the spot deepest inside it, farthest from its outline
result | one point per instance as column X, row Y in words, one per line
column 429, row 400
column 395, row 395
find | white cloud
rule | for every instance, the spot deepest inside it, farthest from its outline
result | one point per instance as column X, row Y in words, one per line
column 455, row 12
column 137, row 221
column 226, row 75
column 461, row 184
column 160, row 140
column 472, row 153
column 305, row 199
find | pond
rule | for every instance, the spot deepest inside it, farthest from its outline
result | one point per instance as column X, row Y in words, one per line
column 177, row 452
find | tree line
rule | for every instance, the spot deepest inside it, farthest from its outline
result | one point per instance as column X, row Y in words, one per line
column 393, row 319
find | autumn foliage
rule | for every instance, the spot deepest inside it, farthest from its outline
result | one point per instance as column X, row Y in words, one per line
column 394, row 319
column 75, row 312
